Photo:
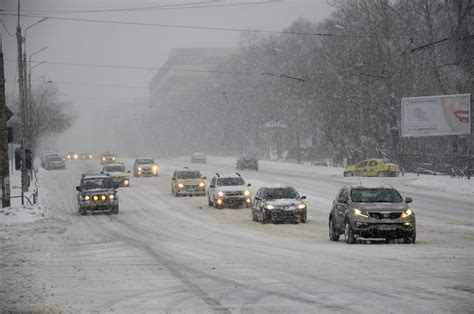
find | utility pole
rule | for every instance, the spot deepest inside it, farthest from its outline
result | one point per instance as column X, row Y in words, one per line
column 4, row 169
column 21, row 83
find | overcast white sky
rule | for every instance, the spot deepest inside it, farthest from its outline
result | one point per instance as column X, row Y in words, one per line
column 129, row 45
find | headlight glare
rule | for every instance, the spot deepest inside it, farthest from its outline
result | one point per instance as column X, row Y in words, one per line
column 202, row 184
column 247, row 193
column 270, row 207
column 302, row 206
column 220, row 193
column 139, row 168
column 86, row 197
column 180, row 185
column 407, row 213
column 111, row 196
column 360, row 213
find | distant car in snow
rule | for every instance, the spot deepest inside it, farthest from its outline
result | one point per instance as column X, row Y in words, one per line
column 228, row 190
column 198, row 158
column 145, row 167
column 117, row 172
column 279, row 203
column 72, row 156
column 371, row 212
column 107, row 158
column 247, row 163
column 86, row 156
column 97, row 192
column 373, row 168
column 53, row 162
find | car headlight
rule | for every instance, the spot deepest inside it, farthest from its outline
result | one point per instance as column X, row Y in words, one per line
column 247, row 193
column 86, row 198
column 111, row 196
column 103, row 158
column 180, row 185
column 407, row 213
column 103, row 197
column 155, row 168
column 139, row 168
column 220, row 193
column 202, row 184
column 126, row 182
column 76, row 156
column 269, row 207
column 361, row 213
column 113, row 158
column 302, row 206
column 95, row 197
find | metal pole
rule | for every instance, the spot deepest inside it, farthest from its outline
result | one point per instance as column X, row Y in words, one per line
column 4, row 167
column 22, row 104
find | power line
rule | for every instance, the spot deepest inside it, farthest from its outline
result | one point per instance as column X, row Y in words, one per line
column 209, row 28
column 190, row 5
column 6, row 29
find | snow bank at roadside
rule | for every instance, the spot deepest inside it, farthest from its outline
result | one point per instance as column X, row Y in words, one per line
column 461, row 186
column 20, row 215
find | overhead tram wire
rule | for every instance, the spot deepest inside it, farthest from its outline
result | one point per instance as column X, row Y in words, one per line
column 209, row 28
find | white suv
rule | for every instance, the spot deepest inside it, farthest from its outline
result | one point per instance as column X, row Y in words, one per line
column 230, row 190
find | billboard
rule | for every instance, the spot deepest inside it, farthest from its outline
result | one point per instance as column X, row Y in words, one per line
column 436, row 115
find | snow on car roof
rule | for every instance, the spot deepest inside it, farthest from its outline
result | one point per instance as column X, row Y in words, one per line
column 93, row 176
column 276, row 186
column 385, row 186
column 114, row 164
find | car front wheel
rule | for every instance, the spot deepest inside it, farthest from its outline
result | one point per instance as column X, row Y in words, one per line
column 333, row 235
column 410, row 238
column 348, row 233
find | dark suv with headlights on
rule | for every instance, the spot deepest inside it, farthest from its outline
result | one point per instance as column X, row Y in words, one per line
column 145, row 167
column 97, row 192
column 371, row 212
column 279, row 203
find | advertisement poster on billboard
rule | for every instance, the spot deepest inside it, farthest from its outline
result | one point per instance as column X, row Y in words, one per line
column 436, row 115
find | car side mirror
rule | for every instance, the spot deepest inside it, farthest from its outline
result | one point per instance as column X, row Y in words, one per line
column 258, row 198
column 303, row 197
column 342, row 200
column 408, row 200
column 204, row 178
column 78, row 188
column 249, row 184
column 211, row 186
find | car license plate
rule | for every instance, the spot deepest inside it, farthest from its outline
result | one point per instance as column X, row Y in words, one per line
column 387, row 227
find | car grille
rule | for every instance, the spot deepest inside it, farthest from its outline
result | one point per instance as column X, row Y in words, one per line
column 234, row 193
column 282, row 214
column 192, row 187
column 378, row 215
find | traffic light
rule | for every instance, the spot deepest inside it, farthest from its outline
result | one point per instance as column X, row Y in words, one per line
column 18, row 158
column 28, row 158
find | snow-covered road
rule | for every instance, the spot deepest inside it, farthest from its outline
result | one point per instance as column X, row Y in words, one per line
column 168, row 254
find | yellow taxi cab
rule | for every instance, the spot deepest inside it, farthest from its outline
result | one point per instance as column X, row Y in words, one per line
column 188, row 182
column 373, row 168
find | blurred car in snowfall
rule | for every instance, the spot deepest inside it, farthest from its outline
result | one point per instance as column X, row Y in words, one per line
column 145, row 167
column 198, row 158
column 228, row 190
column 106, row 158
column 72, row 156
column 53, row 162
column 373, row 168
column 86, row 156
column 279, row 203
column 188, row 182
column 97, row 192
column 46, row 155
column 371, row 212
column 247, row 163
column 117, row 172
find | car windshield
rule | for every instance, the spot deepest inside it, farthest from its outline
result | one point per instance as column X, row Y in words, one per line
column 145, row 161
column 375, row 196
column 114, row 168
column 230, row 181
column 278, row 193
column 188, row 175
column 97, row 183
column 55, row 158
column 199, row 154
